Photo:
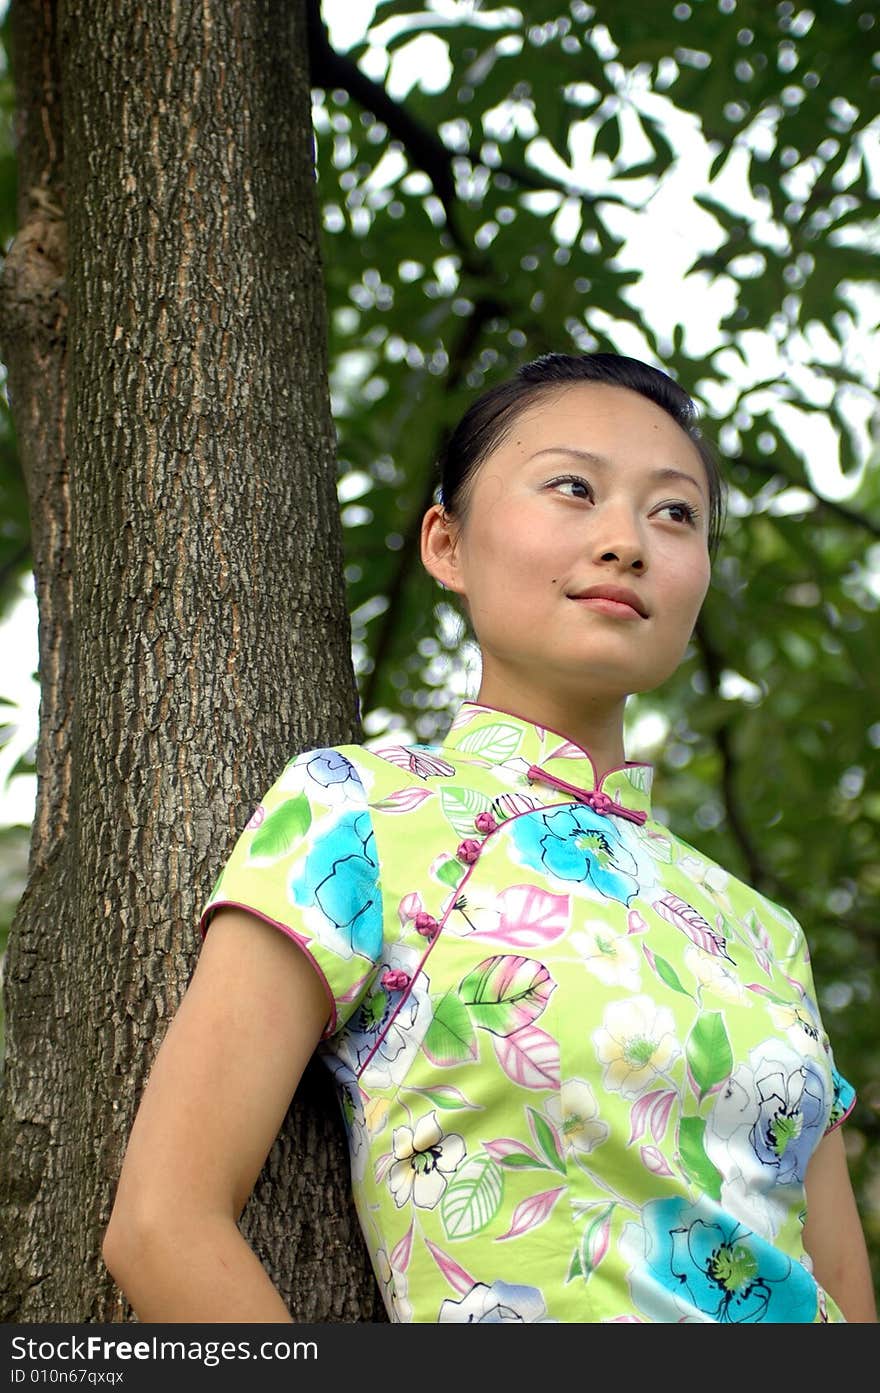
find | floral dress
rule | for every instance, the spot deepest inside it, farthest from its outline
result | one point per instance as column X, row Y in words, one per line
column 581, row 1067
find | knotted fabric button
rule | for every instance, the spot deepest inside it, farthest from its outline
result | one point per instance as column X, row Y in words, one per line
column 426, row 924
column 485, row 823
column 394, row 980
column 600, row 803
column 468, row 851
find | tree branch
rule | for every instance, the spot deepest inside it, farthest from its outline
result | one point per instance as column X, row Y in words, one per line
column 425, row 149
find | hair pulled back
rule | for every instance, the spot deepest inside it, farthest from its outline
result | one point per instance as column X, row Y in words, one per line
column 488, row 420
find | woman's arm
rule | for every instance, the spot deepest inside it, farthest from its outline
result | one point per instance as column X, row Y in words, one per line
column 215, row 1100
column 833, row 1234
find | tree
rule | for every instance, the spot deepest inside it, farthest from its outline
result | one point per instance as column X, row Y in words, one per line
column 484, row 209
column 164, row 333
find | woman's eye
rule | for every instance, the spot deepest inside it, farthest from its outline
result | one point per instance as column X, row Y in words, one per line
column 686, row 513
column 576, row 486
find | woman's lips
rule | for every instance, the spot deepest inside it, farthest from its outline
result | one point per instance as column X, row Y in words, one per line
column 615, row 608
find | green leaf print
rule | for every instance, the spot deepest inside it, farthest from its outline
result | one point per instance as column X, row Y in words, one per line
column 543, row 1134
column 445, row 1096
column 506, row 992
column 461, row 807
column 640, row 778
column 451, row 1037
column 451, row 872
column 281, row 830
column 668, row 974
column 473, row 1199
column 709, row 1056
column 696, row 1164
column 594, row 1243
column 496, row 742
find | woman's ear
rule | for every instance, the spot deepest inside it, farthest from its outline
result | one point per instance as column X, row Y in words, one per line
column 438, row 548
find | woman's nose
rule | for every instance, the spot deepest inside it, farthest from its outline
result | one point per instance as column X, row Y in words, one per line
column 618, row 537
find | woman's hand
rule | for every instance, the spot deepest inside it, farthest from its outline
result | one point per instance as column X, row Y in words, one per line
column 215, row 1100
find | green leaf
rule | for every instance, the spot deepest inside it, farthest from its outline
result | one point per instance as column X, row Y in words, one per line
column 546, row 1140
column 461, row 807
column 668, row 974
column 692, row 1153
column 279, row 834
column 451, row 1037
column 607, row 140
column 473, row 1198
column 506, row 992
column 451, row 872
column 709, row 1056
column 446, row 1097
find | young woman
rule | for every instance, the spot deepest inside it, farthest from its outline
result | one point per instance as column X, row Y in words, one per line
column 582, row 1069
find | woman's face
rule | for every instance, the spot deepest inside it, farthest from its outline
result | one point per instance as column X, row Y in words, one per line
column 592, row 486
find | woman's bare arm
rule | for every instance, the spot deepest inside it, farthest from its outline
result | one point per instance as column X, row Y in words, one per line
column 833, row 1234
column 214, row 1102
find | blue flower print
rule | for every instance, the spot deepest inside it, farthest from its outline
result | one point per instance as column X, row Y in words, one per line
column 500, row 1303
column 330, row 767
column 578, row 844
column 792, row 1109
column 341, row 876
column 698, row 1262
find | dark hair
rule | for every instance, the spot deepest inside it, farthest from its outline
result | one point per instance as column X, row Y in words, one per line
column 490, row 417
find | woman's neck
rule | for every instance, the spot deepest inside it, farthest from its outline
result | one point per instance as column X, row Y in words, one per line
column 594, row 723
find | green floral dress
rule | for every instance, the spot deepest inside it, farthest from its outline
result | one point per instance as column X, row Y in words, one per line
column 581, row 1066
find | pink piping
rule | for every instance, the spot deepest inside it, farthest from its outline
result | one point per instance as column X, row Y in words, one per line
column 598, row 801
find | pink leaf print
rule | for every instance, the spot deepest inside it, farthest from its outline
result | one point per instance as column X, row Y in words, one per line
column 458, row 1279
column 503, row 1147
column 594, row 1244
column 257, row 818
column 400, row 1254
column 416, row 761
column 692, row 923
column 640, row 1113
column 404, row 800
column 409, row 907
column 660, row 1111
column 635, row 924
column 565, row 751
column 654, row 1160
column 529, row 1057
column 531, row 1213
column 529, row 917
column 383, row 1165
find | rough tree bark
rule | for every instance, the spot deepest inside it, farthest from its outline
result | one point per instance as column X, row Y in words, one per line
column 170, row 396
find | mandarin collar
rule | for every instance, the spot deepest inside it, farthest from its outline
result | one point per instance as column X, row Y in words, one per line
column 497, row 737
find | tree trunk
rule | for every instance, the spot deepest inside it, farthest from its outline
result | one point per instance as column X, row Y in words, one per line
column 205, row 637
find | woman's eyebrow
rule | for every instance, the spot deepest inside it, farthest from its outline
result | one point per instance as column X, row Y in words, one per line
column 602, row 461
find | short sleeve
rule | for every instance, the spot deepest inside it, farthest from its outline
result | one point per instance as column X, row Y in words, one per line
column 306, row 863
column 798, row 969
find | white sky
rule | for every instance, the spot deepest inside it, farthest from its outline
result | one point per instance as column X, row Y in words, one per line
column 661, row 245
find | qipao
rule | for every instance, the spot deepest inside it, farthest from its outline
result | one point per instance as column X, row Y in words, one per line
column 581, row 1066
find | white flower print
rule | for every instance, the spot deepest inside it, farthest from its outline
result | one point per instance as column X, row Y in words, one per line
column 423, row 1158
column 575, row 1114
column 714, row 974
column 636, row 1042
column 394, row 1289
column 610, row 956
